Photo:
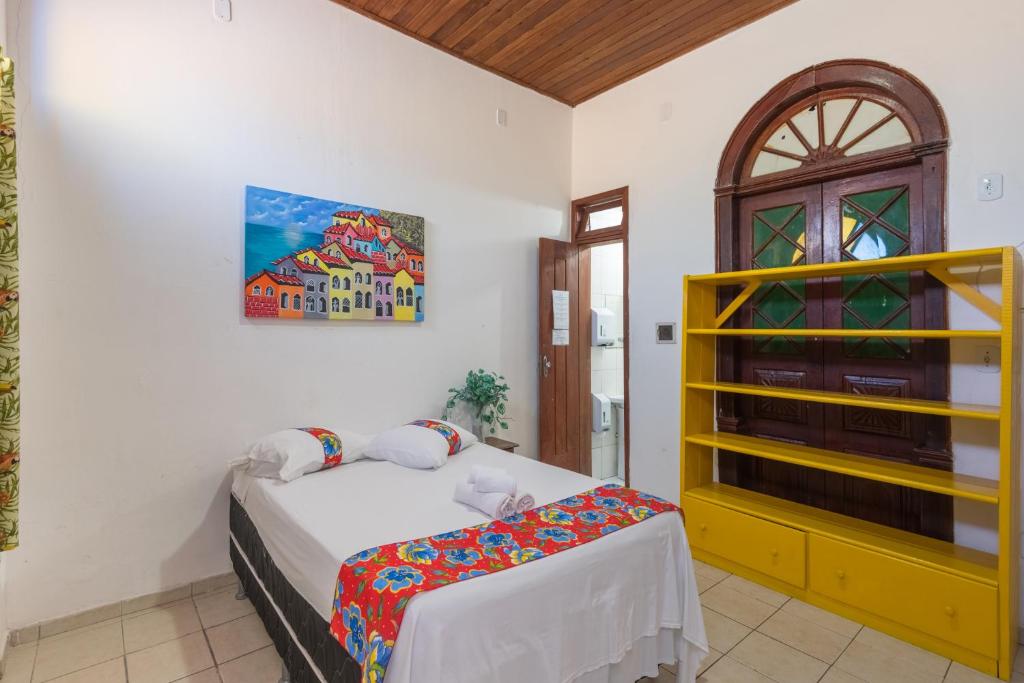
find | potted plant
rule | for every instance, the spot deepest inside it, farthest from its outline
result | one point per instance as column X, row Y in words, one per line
column 486, row 394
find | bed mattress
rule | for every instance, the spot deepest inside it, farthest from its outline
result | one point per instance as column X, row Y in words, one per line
column 568, row 617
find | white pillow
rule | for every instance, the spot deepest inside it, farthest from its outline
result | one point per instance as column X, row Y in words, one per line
column 421, row 444
column 291, row 453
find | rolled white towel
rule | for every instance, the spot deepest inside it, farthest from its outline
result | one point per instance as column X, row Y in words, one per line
column 524, row 503
column 494, row 504
column 495, row 481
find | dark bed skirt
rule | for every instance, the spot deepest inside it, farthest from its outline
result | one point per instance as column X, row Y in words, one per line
column 312, row 631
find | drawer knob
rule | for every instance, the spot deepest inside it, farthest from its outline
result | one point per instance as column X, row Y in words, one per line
column 703, row 527
column 950, row 611
column 773, row 552
column 840, row 574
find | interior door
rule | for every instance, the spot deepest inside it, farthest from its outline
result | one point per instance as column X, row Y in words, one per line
column 866, row 217
column 781, row 229
column 560, row 369
column 878, row 215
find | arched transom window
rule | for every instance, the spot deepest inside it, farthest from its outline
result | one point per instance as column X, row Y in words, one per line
column 829, row 129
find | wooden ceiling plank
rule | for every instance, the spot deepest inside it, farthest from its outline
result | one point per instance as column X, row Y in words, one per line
column 432, row 16
column 539, row 36
column 574, row 37
column 636, row 35
column 491, row 12
column 570, row 50
column 629, row 28
column 391, row 8
column 678, row 34
column 523, row 19
column 402, row 29
column 599, row 78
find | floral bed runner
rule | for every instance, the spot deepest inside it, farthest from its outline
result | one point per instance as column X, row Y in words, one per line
column 374, row 587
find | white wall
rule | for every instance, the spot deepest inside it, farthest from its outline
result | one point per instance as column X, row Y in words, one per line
column 968, row 58
column 140, row 124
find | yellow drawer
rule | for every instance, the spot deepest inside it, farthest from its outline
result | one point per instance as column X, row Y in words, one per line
column 958, row 610
column 769, row 548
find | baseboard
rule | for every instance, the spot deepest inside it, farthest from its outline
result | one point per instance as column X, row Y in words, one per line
column 52, row 627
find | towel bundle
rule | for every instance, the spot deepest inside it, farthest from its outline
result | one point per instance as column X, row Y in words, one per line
column 493, row 492
column 493, row 504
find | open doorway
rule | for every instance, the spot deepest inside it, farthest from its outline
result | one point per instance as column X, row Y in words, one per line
column 601, row 232
column 583, row 350
column 607, row 362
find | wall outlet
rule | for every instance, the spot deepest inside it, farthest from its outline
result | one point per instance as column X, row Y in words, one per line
column 501, row 118
column 988, row 359
column 990, row 186
column 222, row 9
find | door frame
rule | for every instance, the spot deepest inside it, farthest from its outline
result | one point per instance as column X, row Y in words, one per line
column 585, row 239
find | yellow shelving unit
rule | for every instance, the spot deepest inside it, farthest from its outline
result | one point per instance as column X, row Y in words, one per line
column 956, row 601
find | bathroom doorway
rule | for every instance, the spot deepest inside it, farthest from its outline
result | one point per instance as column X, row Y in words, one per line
column 607, row 363
column 601, row 233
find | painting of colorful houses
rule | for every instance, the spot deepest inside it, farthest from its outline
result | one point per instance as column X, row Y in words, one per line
column 324, row 260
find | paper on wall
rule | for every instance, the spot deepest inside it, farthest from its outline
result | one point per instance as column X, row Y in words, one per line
column 559, row 337
column 560, row 308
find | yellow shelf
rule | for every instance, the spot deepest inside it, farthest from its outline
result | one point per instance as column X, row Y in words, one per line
column 949, row 259
column 798, row 332
column 923, row 478
column 962, row 561
column 908, row 405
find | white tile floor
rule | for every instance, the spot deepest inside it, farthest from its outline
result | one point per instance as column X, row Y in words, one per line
column 756, row 635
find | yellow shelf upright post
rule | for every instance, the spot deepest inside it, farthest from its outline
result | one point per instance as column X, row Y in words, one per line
column 1009, row 462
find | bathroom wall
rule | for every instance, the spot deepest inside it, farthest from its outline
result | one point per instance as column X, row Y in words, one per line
column 606, row 363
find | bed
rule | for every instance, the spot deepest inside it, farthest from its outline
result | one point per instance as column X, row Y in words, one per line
column 605, row 612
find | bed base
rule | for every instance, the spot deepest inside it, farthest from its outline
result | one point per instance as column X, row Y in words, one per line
column 254, row 567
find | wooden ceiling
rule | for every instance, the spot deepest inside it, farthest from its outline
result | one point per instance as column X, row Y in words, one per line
column 570, row 50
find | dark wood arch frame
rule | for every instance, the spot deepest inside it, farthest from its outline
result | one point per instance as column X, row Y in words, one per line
column 921, row 112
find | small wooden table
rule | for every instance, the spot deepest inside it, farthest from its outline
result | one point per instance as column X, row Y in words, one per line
column 501, row 444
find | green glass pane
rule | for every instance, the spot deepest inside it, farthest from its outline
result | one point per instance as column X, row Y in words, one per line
column 762, row 233
column 774, row 305
column 898, row 215
column 874, row 303
column 876, row 242
column 875, row 347
column 771, row 228
column 781, row 308
column 777, row 215
column 779, row 253
column 874, row 201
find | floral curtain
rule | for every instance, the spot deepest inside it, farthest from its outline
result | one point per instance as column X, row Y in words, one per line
column 10, row 363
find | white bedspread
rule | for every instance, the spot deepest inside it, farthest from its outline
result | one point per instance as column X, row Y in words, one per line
column 591, row 613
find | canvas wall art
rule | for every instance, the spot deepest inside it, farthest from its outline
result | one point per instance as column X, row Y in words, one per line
column 319, row 259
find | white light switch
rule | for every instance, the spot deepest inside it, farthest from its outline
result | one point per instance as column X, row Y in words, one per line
column 990, row 186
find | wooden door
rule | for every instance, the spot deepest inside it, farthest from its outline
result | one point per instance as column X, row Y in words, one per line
column 560, row 370
column 781, row 229
column 872, row 216
column 878, row 216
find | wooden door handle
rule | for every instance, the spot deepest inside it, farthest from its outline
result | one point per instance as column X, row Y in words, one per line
column 545, row 365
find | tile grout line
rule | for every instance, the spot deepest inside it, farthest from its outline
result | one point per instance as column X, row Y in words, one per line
column 833, row 665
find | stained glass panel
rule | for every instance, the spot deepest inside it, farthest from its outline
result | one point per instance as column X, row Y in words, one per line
column 876, row 224
column 778, row 239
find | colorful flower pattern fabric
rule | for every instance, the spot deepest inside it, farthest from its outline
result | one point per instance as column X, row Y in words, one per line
column 374, row 586
column 449, row 434
column 331, row 443
column 10, row 361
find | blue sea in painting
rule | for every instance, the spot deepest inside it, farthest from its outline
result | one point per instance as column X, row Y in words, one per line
column 264, row 244
column 281, row 223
